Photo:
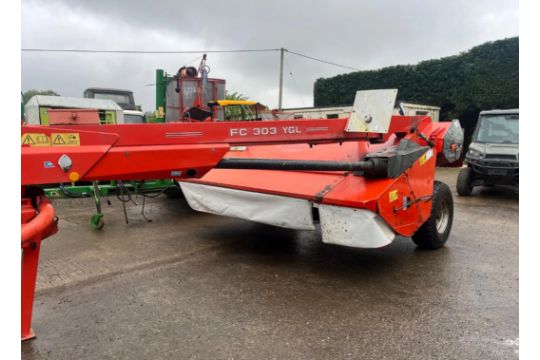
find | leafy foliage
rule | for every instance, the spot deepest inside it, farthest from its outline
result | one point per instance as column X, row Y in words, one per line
column 485, row 77
column 236, row 112
column 27, row 95
column 150, row 116
column 234, row 96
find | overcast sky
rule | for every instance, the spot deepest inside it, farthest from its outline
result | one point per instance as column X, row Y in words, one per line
column 365, row 34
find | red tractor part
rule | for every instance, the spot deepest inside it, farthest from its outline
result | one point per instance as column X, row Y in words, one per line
column 38, row 221
column 374, row 168
column 73, row 117
column 362, row 193
column 156, row 151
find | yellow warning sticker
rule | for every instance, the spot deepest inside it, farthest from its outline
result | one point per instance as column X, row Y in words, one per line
column 393, row 195
column 65, row 139
column 426, row 157
column 35, row 139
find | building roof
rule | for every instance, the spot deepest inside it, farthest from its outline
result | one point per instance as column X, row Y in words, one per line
column 133, row 112
column 418, row 105
column 112, row 90
column 316, row 108
column 498, row 111
column 71, row 102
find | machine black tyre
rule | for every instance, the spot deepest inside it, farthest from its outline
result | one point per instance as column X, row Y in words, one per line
column 435, row 231
column 464, row 182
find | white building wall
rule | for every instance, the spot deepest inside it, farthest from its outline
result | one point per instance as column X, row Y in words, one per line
column 345, row 111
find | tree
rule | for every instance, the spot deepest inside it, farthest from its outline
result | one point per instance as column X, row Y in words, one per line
column 27, row 95
column 234, row 96
column 485, row 77
column 235, row 112
column 150, row 116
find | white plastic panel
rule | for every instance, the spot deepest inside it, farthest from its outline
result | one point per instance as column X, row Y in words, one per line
column 372, row 111
column 353, row 227
column 269, row 209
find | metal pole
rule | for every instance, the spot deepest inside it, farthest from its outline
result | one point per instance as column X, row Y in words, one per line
column 282, row 50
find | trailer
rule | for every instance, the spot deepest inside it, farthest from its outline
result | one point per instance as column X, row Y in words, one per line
column 370, row 176
column 36, row 110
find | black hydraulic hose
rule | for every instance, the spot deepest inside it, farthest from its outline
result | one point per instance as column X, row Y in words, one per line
column 301, row 165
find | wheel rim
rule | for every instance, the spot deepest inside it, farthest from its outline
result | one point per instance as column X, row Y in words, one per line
column 443, row 218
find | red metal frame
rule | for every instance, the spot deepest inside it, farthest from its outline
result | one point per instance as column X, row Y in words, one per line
column 38, row 221
column 73, row 116
column 198, row 80
column 191, row 150
column 153, row 151
column 343, row 188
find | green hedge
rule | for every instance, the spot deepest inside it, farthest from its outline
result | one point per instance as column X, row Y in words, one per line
column 485, row 77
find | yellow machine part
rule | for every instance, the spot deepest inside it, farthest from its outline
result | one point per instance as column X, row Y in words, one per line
column 235, row 102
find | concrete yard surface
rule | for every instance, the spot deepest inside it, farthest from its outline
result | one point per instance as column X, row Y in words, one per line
column 190, row 285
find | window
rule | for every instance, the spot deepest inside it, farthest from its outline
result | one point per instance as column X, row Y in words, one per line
column 498, row 129
column 332, row 116
column 133, row 119
column 117, row 98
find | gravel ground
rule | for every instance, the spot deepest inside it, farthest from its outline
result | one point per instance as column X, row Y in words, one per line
column 196, row 286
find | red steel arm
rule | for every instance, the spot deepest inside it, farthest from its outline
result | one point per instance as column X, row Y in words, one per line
column 179, row 150
column 174, row 150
